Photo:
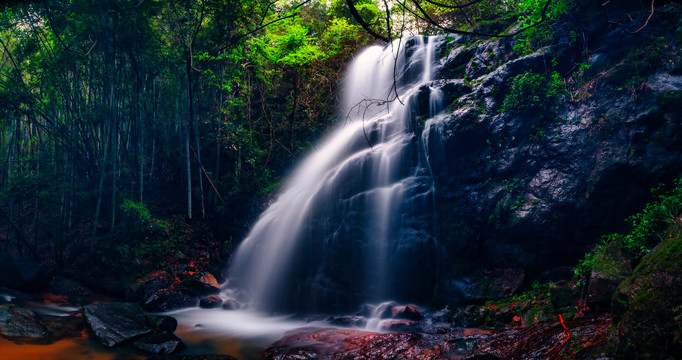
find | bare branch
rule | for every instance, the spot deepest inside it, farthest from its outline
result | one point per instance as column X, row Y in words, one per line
column 647, row 19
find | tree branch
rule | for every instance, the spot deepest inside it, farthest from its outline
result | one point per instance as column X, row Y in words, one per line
column 363, row 23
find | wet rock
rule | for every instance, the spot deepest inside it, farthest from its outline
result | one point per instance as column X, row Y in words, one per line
column 349, row 321
column 456, row 63
column 210, row 302
column 546, row 341
column 231, row 304
column 162, row 322
column 116, row 323
column 17, row 272
column 60, row 327
column 159, row 343
column 401, row 325
column 327, row 344
column 202, row 284
column 464, row 316
column 160, row 291
column 409, row 312
column 20, row 323
column 170, row 299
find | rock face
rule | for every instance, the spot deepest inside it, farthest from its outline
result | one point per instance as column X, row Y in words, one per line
column 20, row 323
column 546, row 341
column 530, row 186
column 321, row 344
column 116, row 323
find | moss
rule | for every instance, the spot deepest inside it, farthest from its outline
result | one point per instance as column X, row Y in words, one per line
column 650, row 325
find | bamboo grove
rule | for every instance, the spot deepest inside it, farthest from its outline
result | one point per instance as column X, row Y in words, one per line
column 189, row 109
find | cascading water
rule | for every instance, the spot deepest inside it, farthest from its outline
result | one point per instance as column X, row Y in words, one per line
column 353, row 224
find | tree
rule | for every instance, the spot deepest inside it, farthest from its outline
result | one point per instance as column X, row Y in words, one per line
column 450, row 16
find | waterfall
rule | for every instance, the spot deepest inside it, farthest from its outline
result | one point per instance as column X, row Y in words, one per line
column 354, row 222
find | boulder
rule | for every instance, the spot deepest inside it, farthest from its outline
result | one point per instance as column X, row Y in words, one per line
column 60, row 327
column 113, row 324
column 610, row 268
column 159, row 343
column 169, row 299
column 20, row 323
column 210, row 302
column 202, row 284
column 162, row 322
column 401, row 325
column 231, row 304
column 647, row 307
column 160, row 291
column 408, row 312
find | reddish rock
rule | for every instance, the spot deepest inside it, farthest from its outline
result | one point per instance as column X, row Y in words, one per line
column 202, row 284
column 347, row 344
column 211, row 302
column 403, row 325
column 409, row 312
column 547, row 341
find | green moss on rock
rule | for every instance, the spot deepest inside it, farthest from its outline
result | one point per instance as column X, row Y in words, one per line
column 647, row 306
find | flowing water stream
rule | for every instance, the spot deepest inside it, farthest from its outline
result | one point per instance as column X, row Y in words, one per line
column 353, row 224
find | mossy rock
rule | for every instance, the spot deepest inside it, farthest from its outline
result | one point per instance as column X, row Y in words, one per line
column 611, row 266
column 648, row 306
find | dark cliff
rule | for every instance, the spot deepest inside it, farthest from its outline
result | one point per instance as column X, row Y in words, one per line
column 549, row 150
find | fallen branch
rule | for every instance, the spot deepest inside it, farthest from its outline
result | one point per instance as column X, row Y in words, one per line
column 552, row 352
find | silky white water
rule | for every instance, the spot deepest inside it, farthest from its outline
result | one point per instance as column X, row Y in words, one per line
column 351, row 224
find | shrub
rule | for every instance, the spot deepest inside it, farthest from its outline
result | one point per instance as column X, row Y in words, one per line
column 533, row 93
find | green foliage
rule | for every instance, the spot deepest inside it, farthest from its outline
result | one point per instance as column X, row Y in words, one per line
column 288, row 44
column 649, row 226
column 533, row 93
column 538, row 33
column 658, row 221
column 585, row 265
column 137, row 211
